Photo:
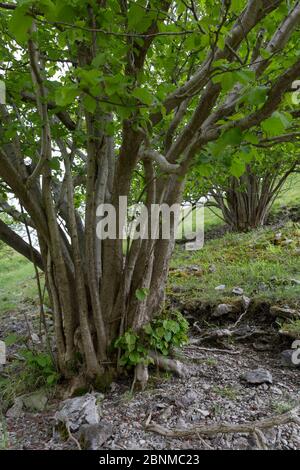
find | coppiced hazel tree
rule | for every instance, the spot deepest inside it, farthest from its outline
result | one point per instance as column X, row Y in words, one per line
column 245, row 191
column 98, row 91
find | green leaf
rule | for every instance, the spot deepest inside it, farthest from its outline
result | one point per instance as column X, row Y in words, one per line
column 237, row 5
column 138, row 18
column 141, row 294
column 90, row 104
column 20, row 24
column 237, row 168
column 66, row 95
column 245, row 76
column 11, row 339
column 52, row 379
column 168, row 336
column 55, row 164
column 252, row 138
column 130, row 338
column 134, row 357
column 227, row 80
column 100, row 59
column 276, row 124
column 143, row 96
column 257, row 95
column 148, row 329
column 205, row 169
column 233, row 136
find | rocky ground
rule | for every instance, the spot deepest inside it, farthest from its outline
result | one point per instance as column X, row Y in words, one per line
column 214, row 391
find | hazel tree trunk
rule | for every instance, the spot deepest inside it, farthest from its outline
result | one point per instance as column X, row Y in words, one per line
column 246, row 202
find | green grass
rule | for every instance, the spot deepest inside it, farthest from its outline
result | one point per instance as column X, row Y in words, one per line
column 290, row 194
column 17, row 281
column 251, row 261
column 212, row 219
column 292, row 327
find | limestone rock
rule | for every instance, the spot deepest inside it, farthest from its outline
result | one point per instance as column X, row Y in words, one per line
column 286, row 358
column 283, row 312
column 16, row 411
column 222, row 310
column 35, row 402
column 75, row 412
column 93, row 436
column 258, row 377
column 237, row 291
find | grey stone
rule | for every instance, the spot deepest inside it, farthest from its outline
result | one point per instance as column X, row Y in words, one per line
column 286, row 358
column 181, row 423
column 93, row 436
column 284, row 312
column 204, row 413
column 194, row 268
column 221, row 287
column 258, row 377
column 262, row 287
column 288, row 241
column 246, row 302
column 16, row 411
column 189, row 398
column 75, row 412
column 222, row 310
column 35, row 402
column 241, row 443
column 237, row 291
column 35, row 339
column 206, row 387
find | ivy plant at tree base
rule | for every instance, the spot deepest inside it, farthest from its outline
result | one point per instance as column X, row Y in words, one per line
column 108, row 99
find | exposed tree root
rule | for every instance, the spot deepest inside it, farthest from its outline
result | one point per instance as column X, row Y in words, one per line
column 219, row 334
column 169, row 365
column 256, row 427
column 213, row 350
column 72, row 437
column 141, row 374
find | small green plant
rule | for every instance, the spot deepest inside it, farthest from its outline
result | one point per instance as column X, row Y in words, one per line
column 164, row 333
column 134, row 352
column 217, row 409
column 160, row 335
column 282, row 407
column 41, row 365
column 226, row 392
column 292, row 327
column 211, row 361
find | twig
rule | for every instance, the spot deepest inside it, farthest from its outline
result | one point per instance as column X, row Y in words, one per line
column 40, row 292
column 72, row 437
column 204, row 442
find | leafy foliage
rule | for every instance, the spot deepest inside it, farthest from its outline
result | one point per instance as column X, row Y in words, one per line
column 160, row 335
column 41, row 365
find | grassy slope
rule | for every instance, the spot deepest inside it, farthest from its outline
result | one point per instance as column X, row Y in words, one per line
column 17, row 283
column 252, row 261
column 244, row 260
column 290, row 195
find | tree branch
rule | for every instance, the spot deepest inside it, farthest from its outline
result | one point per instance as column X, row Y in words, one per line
column 13, row 240
column 161, row 161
